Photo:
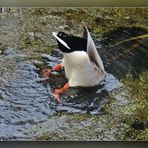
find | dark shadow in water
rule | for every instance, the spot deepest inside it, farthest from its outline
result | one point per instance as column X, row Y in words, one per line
column 129, row 56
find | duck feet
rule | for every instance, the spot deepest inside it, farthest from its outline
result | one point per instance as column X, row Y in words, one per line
column 58, row 67
column 57, row 92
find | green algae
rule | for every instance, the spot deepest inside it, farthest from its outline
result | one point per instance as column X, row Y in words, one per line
column 134, row 113
column 137, row 92
column 34, row 26
column 103, row 20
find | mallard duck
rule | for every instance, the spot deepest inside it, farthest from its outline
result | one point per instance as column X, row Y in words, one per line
column 81, row 61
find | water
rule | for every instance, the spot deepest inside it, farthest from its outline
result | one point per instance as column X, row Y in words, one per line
column 121, row 55
column 25, row 97
column 23, row 100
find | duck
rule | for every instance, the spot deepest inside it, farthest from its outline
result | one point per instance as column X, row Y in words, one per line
column 81, row 61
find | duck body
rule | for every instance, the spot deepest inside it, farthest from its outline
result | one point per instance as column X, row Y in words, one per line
column 82, row 63
column 80, row 71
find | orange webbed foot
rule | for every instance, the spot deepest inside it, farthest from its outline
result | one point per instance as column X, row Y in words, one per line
column 57, row 92
column 58, row 67
column 57, row 97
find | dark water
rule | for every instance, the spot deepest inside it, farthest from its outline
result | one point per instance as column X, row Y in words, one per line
column 129, row 56
column 26, row 99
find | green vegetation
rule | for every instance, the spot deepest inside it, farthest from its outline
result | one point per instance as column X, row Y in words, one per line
column 137, row 94
column 103, row 20
column 134, row 113
column 34, row 26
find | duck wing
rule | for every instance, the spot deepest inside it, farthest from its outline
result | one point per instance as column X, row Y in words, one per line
column 92, row 51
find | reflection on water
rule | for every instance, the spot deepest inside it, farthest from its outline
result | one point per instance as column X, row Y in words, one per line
column 26, row 99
